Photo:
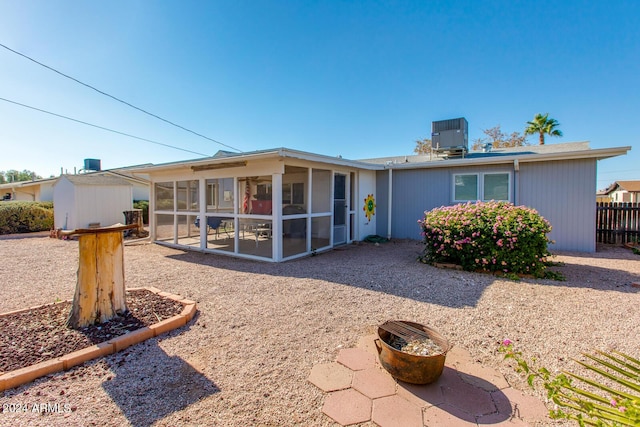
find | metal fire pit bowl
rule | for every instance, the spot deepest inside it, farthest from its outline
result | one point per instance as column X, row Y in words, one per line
column 411, row 368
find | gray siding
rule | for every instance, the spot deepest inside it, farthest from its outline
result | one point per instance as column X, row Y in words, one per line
column 564, row 193
column 561, row 191
column 418, row 190
column 382, row 202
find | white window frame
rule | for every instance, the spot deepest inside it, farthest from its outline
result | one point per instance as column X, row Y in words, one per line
column 212, row 192
column 480, row 189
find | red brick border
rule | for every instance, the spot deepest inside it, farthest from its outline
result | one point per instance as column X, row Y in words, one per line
column 63, row 363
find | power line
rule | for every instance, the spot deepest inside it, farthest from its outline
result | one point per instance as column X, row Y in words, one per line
column 118, row 99
column 102, row 127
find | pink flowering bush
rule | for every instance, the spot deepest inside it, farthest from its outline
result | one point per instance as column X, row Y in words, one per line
column 490, row 236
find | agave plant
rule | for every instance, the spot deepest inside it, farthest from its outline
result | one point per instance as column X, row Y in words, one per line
column 611, row 400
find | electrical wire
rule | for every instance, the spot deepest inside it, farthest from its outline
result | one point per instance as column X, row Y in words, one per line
column 118, row 99
column 102, row 127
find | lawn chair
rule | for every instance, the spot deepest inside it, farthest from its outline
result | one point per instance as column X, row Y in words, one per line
column 213, row 223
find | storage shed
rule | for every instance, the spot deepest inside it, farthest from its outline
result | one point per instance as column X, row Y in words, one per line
column 83, row 200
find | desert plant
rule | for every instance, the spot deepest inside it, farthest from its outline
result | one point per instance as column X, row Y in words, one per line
column 611, row 400
column 490, row 236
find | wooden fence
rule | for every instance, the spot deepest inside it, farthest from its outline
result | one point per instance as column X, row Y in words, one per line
column 617, row 222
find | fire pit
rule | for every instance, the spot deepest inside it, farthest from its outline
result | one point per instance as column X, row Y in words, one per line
column 429, row 350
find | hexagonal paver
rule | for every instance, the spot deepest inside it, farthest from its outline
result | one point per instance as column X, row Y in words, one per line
column 481, row 376
column 367, row 343
column 347, row 407
column 526, row 407
column 473, row 400
column 394, row 411
column 374, row 382
column 458, row 355
column 356, row 359
column 499, row 420
column 331, row 376
column 421, row 395
column 447, row 415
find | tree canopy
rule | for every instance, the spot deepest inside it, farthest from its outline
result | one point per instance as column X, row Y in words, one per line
column 13, row 175
column 543, row 125
column 499, row 139
column 423, row 146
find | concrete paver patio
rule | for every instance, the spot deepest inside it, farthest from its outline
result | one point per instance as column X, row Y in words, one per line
column 360, row 390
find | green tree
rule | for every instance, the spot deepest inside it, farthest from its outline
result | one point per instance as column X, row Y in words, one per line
column 423, row 146
column 543, row 125
column 499, row 139
column 16, row 176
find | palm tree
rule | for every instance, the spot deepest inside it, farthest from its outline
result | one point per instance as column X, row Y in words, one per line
column 542, row 125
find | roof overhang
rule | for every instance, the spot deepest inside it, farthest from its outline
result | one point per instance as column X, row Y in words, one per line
column 239, row 160
column 244, row 159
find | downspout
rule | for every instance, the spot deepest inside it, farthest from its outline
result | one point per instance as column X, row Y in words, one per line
column 389, row 202
column 516, row 174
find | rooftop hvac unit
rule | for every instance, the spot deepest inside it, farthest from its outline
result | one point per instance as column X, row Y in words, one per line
column 92, row 164
column 450, row 136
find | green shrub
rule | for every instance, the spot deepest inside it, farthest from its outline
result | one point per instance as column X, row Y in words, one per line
column 488, row 236
column 25, row 217
column 144, row 205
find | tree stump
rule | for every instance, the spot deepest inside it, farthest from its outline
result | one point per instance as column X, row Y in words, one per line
column 100, row 289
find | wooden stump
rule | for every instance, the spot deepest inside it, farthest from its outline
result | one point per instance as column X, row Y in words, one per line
column 100, row 289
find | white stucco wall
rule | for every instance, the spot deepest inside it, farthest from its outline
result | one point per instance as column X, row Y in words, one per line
column 366, row 186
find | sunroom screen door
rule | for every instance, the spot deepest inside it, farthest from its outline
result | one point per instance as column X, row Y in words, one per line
column 339, row 209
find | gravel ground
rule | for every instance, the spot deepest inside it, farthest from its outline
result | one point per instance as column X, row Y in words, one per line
column 244, row 360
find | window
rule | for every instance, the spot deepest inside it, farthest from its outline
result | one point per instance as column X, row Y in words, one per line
column 187, row 195
column 164, row 196
column 212, row 200
column 496, row 186
column 465, row 187
column 481, row 186
column 293, row 193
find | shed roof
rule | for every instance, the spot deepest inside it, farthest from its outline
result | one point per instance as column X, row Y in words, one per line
column 91, row 179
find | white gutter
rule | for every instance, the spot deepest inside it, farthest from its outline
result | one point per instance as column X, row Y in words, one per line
column 390, row 202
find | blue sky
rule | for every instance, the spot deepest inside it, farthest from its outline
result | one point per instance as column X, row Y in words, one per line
column 351, row 78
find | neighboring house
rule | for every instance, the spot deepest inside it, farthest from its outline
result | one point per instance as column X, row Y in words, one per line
column 622, row 191
column 41, row 190
column 281, row 204
column 81, row 201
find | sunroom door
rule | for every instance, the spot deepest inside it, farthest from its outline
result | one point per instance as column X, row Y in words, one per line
column 339, row 209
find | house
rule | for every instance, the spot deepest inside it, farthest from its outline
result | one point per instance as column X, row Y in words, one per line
column 280, row 204
column 86, row 200
column 622, row 191
column 41, row 190
column 38, row 190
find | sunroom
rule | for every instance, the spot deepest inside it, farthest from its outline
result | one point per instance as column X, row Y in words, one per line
column 272, row 205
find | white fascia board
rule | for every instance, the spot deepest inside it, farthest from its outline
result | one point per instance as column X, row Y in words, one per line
column 338, row 161
column 259, row 155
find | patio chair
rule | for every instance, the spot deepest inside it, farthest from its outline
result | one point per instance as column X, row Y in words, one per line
column 213, row 223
